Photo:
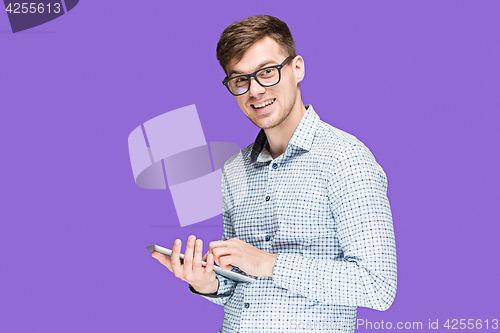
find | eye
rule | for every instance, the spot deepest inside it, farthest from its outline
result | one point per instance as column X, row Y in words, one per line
column 267, row 73
column 240, row 81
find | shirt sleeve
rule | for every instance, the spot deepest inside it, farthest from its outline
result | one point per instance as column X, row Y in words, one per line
column 226, row 286
column 366, row 274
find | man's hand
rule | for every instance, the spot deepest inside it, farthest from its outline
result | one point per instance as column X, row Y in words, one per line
column 202, row 279
column 249, row 259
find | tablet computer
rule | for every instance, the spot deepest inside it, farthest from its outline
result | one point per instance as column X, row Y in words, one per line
column 229, row 274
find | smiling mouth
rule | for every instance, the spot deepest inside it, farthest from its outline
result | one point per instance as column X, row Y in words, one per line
column 263, row 105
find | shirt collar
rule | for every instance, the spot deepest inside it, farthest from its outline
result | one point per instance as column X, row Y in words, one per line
column 302, row 137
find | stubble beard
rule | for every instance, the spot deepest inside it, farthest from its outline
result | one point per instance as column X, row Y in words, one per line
column 281, row 118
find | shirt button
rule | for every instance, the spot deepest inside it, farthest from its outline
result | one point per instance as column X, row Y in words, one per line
column 275, row 166
column 268, row 198
column 247, row 305
column 268, row 238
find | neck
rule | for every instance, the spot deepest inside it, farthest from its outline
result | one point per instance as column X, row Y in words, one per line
column 279, row 136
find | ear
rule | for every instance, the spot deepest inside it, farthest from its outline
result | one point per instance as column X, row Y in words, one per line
column 298, row 68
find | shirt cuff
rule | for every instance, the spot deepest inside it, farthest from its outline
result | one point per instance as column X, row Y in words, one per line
column 197, row 293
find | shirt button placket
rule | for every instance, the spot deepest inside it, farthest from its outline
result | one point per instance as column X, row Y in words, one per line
column 273, row 165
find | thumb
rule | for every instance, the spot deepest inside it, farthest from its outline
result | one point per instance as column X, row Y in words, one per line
column 163, row 259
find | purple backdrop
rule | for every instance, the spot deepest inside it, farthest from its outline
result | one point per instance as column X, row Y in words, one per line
column 416, row 81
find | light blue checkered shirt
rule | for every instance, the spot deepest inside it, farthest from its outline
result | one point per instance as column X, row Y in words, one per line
column 322, row 207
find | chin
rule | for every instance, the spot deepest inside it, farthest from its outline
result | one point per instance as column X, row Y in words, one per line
column 268, row 122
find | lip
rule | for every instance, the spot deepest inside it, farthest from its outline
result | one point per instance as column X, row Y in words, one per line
column 264, row 112
column 264, row 109
column 263, row 101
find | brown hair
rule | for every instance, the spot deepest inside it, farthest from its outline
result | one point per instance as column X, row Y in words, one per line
column 240, row 36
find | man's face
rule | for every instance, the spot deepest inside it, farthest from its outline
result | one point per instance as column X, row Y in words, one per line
column 268, row 107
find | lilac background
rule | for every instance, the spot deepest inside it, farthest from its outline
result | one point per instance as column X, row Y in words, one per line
column 417, row 81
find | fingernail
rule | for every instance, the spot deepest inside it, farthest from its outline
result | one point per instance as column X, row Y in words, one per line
column 177, row 241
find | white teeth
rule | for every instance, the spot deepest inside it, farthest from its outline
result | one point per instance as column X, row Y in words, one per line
column 258, row 106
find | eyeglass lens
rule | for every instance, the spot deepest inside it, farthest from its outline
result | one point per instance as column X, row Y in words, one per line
column 265, row 77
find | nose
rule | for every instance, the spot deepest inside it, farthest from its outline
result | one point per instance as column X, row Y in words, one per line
column 255, row 88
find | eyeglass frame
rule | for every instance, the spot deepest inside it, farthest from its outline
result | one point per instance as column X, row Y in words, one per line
column 254, row 75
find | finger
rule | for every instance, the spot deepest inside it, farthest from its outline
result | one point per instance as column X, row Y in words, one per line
column 209, row 268
column 225, row 262
column 216, row 259
column 222, row 251
column 197, row 268
column 163, row 259
column 188, row 255
column 216, row 244
column 175, row 257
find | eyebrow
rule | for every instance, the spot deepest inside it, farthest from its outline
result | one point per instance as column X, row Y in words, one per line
column 261, row 65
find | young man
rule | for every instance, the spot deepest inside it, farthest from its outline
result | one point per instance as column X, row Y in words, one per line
column 304, row 207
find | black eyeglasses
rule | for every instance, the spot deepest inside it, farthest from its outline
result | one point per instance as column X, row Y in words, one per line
column 266, row 77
